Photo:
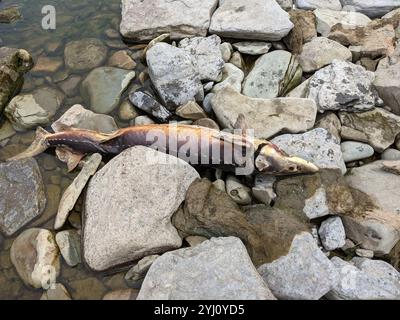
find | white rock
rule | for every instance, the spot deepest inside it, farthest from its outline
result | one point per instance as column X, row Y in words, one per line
column 326, row 19
column 145, row 20
column 132, row 219
column 372, row 8
column 328, row 155
column 364, row 253
column 353, row 151
column 226, row 51
column 206, row 56
column 320, row 52
column 358, row 284
column 251, row 20
column 319, row 4
column 237, row 191
column 266, row 116
column 317, row 205
column 231, row 76
column 332, row 234
column 304, row 273
column 254, row 48
column 173, row 74
column 217, row 269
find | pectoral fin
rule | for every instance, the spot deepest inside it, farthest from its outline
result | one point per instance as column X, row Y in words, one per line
column 69, row 157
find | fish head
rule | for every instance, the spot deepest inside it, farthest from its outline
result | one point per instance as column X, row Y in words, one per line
column 271, row 160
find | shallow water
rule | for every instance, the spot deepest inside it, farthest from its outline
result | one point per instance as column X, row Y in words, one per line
column 75, row 20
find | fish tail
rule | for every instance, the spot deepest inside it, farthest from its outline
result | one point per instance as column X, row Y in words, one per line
column 38, row 146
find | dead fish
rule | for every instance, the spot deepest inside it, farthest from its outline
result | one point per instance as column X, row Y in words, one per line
column 194, row 144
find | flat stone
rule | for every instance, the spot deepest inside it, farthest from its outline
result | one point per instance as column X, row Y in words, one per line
column 231, row 76
column 272, row 75
column 219, row 269
column 138, row 222
column 372, row 8
column 253, row 48
column 353, row 151
column 305, row 273
column 103, row 87
column 191, row 111
column 317, row 205
column 6, row 130
column 328, row 155
column 206, row 56
column 343, row 86
column 147, row 103
column 35, row 256
column 27, row 111
column 251, row 20
column 266, row 116
column 56, row 293
column 70, row 86
column 69, row 242
column 47, row 65
column 364, row 253
column 173, row 74
column 377, row 127
column 327, row 18
column 22, row 193
column 319, row 4
column 332, row 234
column 145, row 20
column 357, row 284
column 121, row 59
column 73, row 192
column 10, row 14
column 320, row 52
column 85, row 54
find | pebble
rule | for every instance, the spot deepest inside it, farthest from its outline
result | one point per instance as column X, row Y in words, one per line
column 332, row 234
column 70, row 246
column 240, row 193
column 353, row 151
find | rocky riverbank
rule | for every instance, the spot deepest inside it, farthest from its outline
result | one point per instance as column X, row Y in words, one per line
column 319, row 79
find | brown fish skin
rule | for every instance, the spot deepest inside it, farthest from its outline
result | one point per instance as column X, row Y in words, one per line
column 196, row 145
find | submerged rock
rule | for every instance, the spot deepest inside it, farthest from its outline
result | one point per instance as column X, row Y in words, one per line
column 251, row 19
column 145, row 20
column 10, row 14
column 121, row 226
column 266, row 116
column 219, row 269
column 57, row 293
column 22, row 194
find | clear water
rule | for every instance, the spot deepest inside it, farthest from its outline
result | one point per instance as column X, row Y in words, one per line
column 76, row 19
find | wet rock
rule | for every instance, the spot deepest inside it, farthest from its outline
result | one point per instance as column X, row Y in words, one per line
column 47, row 65
column 304, row 273
column 327, row 156
column 353, row 151
column 356, row 283
column 387, row 84
column 371, row 8
column 330, row 122
column 231, row 76
column 319, row 4
column 121, row 295
column 70, row 85
column 343, row 86
column 36, row 258
column 377, row 127
column 209, row 212
column 138, row 272
column 237, row 191
column 266, row 116
column 147, row 103
column 87, row 288
column 22, row 193
column 216, row 269
column 85, row 54
column 173, row 74
column 191, row 111
column 251, row 20
column 391, row 154
column 206, row 56
column 253, row 48
column 143, row 21
column 69, row 243
column 57, row 292
column 326, row 19
column 10, row 14
column 273, row 75
column 137, row 222
column 332, row 234
column 121, row 59
column 320, row 52
column 27, row 111
column 103, row 87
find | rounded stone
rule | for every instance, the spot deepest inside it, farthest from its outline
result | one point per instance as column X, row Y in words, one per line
column 353, row 151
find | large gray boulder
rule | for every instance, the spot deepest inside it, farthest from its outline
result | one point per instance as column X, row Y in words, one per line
column 146, row 20
column 22, row 195
column 217, row 269
column 251, row 20
column 128, row 207
column 173, row 74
